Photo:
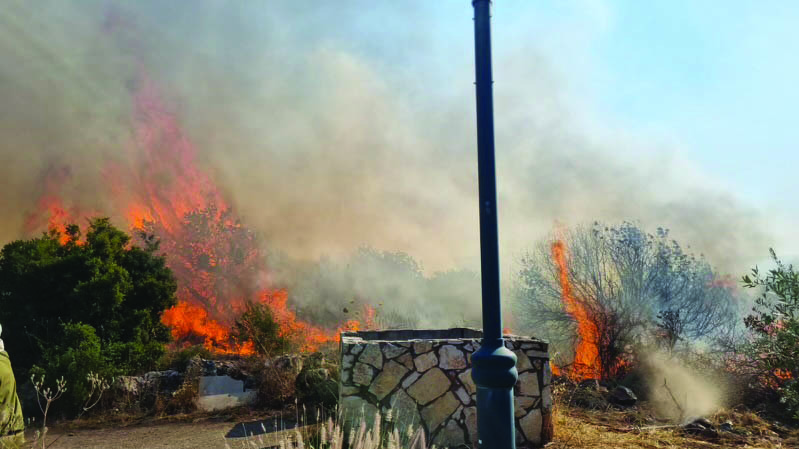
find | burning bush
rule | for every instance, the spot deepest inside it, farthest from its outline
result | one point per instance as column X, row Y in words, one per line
column 257, row 325
column 615, row 287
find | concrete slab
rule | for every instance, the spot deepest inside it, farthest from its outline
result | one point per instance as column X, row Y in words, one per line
column 221, row 392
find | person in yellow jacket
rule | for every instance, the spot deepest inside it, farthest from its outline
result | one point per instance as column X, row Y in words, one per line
column 12, row 424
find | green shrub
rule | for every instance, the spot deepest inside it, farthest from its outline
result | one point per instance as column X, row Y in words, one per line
column 317, row 382
column 774, row 323
column 74, row 305
column 79, row 354
column 258, row 325
column 178, row 360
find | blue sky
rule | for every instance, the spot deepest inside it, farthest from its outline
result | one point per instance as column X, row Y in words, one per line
column 671, row 113
column 713, row 80
column 717, row 79
column 710, row 83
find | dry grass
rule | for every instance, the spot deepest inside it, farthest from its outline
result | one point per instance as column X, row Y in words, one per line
column 582, row 429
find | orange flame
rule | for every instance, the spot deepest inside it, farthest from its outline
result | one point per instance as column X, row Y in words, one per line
column 587, row 364
column 160, row 190
column 188, row 322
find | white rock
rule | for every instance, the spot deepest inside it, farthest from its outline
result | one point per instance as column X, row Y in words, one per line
column 464, row 396
column 451, row 358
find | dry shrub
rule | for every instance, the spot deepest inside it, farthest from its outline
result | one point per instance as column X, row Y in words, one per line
column 275, row 379
column 184, row 399
column 276, row 387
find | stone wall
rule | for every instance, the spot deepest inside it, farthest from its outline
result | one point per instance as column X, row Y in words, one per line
column 423, row 377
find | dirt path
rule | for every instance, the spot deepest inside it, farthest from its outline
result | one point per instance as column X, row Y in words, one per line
column 172, row 435
column 211, row 434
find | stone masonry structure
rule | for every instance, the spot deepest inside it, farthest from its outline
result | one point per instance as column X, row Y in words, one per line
column 424, row 378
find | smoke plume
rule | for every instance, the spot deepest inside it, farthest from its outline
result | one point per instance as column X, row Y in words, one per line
column 335, row 126
column 678, row 392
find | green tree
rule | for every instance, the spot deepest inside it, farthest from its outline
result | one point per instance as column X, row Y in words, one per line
column 774, row 323
column 102, row 290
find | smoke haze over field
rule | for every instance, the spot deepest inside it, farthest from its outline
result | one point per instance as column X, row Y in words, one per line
column 338, row 126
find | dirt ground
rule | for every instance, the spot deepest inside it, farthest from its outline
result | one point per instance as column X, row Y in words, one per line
column 575, row 428
column 169, row 435
column 201, row 433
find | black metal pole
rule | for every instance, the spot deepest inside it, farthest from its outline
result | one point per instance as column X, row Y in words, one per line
column 493, row 365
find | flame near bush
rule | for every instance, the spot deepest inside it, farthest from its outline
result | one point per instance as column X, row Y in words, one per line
column 600, row 290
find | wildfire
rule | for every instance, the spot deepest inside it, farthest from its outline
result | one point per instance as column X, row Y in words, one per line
column 188, row 322
column 587, row 364
column 50, row 208
column 161, row 190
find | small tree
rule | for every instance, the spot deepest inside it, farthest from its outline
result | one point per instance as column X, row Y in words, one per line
column 774, row 324
column 624, row 282
column 258, row 325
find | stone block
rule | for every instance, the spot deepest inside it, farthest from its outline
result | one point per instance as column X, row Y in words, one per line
column 362, row 374
column 466, row 379
column 349, row 391
column 213, row 402
column 470, row 415
column 420, row 347
column 431, row 385
column 372, row 355
column 531, row 426
column 346, row 377
column 451, row 358
column 519, row 437
column 437, row 412
column 391, row 350
column 410, row 379
column 546, row 398
column 387, row 379
column 465, row 397
column 425, row 361
column 404, row 411
column 355, row 409
column 522, row 404
column 522, row 362
column 211, row 385
column 406, row 360
column 528, row 384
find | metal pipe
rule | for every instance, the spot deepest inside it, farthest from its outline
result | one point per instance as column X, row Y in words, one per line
column 493, row 365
